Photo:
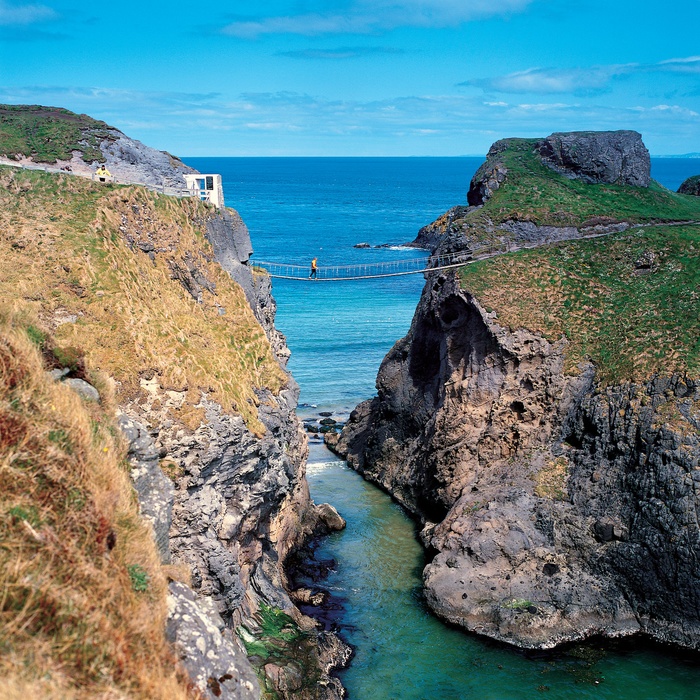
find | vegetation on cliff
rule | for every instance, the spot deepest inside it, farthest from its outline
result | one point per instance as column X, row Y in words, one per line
column 518, row 191
column 82, row 590
column 49, row 134
column 628, row 302
column 534, row 192
column 119, row 286
column 112, row 269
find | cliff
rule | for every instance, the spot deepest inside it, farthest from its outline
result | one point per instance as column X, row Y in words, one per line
column 151, row 295
column 531, row 191
column 541, row 418
column 38, row 135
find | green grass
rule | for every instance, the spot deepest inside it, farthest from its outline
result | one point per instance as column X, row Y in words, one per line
column 630, row 321
column 534, row 192
column 517, row 604
column 280, row 641
column 139, row 578
column 48, row 134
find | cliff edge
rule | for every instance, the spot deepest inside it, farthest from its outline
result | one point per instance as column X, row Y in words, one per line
column 38, row 135
column 542, row 416
column 143, row 309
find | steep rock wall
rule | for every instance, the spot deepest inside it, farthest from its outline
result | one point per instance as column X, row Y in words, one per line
column 241, row 503
column 553, row 508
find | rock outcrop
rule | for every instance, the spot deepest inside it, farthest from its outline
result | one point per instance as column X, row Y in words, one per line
column 555, row 504
column 489, row 177
column 691, row 186
column 555, row 508
column 241, row 503
column 207, row 410
column 615, row 157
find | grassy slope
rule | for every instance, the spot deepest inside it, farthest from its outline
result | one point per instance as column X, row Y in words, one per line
column 48, row 134
column 82, row 592
column 63, row 251
column 629, row 321
column 76, row 618
column 534, row 192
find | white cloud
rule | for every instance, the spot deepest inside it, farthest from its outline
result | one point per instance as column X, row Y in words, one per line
column 21, row 15
column 578, row 81
column 544, row 107
column 675, row 110
column 691, row 64
column 553, row 80
column 296, row 124
column 369, row 16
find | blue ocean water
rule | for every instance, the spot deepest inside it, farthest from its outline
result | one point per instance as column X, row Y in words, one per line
column 298, row 208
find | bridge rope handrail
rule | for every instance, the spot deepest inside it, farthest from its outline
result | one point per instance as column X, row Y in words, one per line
column 387, row 268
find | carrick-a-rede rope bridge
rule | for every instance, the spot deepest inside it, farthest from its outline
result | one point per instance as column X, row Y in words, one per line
column 363, row 271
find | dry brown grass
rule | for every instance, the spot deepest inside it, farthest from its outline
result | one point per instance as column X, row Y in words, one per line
column 630, row 325
column 72, row 624
column 70, row 247
column 550, row 481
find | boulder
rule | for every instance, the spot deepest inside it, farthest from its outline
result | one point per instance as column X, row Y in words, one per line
column 691, row 186
column 615, row 157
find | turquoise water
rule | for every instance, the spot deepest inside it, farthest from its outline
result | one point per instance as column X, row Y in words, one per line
column 404, row 653
column 297, row 208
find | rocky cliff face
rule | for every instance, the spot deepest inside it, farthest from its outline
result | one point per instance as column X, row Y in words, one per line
column 554, row 508
column 555, row 504
column 691, row 186
column 616, row 157
column 139, row 286
column 240, row 506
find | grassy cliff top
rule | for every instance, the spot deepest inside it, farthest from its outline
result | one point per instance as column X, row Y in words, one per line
column 71, row 262
column 48, row 134
column 534, row 192
column 629, row 302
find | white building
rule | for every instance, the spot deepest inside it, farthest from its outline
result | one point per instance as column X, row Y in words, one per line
column 207, row 187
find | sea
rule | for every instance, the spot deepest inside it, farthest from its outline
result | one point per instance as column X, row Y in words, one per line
column 339, row 332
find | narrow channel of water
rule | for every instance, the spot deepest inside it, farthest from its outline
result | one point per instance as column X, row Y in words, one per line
column 402, row 652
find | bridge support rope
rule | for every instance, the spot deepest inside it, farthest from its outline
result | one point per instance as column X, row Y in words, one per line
column 336, row 273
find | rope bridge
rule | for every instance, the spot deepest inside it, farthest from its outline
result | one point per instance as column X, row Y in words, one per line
column 335, row 273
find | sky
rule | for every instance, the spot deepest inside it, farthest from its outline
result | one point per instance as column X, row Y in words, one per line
column 359, row 77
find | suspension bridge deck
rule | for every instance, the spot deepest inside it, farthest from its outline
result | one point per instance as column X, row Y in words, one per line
column 336, row 273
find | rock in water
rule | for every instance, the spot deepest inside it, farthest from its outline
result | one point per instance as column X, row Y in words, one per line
column 616, row 157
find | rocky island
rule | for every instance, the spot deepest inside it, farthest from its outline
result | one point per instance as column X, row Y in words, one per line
column 151, row 462
column 541, row 418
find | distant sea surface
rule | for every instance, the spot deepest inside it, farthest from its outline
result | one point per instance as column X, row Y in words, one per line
column 298, row 208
